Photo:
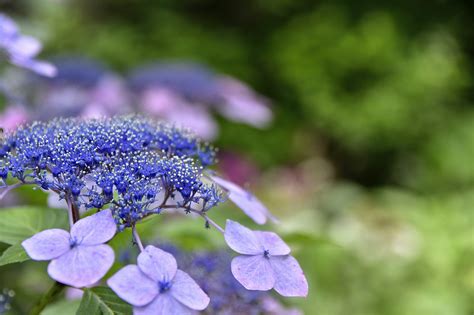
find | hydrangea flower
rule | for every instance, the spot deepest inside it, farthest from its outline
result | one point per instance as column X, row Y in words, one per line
column 156, row 285
column 135, row 165
column 82, row 88
column 21, row 49
column 245, row 200
column 211, row 270
column 78, row 258
column 185, row 93
column 265, row 262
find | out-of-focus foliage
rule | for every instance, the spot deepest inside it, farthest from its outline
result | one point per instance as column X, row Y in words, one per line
column 363, row 83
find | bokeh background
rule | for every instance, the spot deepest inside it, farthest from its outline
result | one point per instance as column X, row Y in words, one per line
column 368, row 161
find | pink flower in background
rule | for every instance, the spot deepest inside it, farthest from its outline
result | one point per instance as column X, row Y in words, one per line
column 12, row 117
column 170, row 106
column 241, row 104
column 186, row 93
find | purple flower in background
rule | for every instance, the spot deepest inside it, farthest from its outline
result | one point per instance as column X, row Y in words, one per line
column 246, row 201
column 241, row 104
column 185, row 93
column 79, row 258
column 265, row 262
column 82, row 87
column 157, row 286
column 22, row 49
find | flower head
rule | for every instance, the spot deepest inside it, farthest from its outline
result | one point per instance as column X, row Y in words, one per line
column 78, row 258
column 245, row 200
column 21, row 49
column 82, row 87
column 132, row 164
column 185, row 93
column 265, row 262
column 157, row 286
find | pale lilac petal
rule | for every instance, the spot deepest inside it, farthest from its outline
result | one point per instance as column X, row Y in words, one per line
column 242, row 239
column 289, row 277
column 242, row 104
column 8, row 27
column 25, row 46
column 157, row 264
column 133, row 286
column 273, row 243
column 82, row 266
column 164, row 304
column 253, row 272
column 43, row 68
column 95, row 229
column 188, row 292
column 246, row 201
column 47, row 244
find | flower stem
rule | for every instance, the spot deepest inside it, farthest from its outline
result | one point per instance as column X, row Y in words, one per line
column 214, row 224
column 137, row 239
column 52, row 293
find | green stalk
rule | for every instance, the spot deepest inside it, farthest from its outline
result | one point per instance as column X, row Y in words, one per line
column 47, row 298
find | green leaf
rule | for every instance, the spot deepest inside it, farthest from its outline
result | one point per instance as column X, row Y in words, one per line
column 102, row 301
column 13, row 254
column 17, row 224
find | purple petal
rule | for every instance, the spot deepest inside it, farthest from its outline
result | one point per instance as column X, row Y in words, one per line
column 25, row 46
column 273, row 243
column 8, row 27
column 188, row 292
column 246, row 201
column 95, row 229
column 289, row 278
column 164, row 304
column 133, row 286
column 242, row 239
column 47, row 245
column 253, row 272
column 82, row 266
column 157, row 264
column 43, row 68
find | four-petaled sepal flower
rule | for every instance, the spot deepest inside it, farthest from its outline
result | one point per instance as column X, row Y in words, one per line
column 78, row 258
column 156, row 286
column 245, row 200
column 265, row 262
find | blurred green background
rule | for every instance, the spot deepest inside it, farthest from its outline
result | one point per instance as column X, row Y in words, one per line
column 369, row 161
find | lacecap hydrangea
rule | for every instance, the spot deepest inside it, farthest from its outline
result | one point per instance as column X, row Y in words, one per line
column 127, row 168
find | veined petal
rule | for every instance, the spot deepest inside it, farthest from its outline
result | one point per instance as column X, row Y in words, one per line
column 273, row 243
column 47, row 244
column 253, row 272
column 188, row 292
column 82, row 266
column 133, row 286
column 164, row 304
column 95, row 229
column 157, row 264
column 289, row 277
column 242, row 239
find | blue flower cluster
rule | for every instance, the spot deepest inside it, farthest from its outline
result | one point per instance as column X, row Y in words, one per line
column 129, row 163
